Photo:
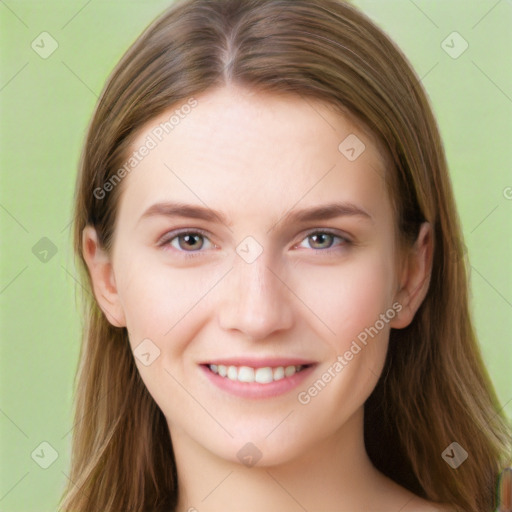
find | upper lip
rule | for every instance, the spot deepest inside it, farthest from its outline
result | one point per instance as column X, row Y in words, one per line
column 259, row 362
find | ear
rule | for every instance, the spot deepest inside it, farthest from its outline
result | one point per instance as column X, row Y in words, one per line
column 415, row 278
column 102, row 277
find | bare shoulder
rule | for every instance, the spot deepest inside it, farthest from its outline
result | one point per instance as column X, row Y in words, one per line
column 396, row 497
column 418, row 504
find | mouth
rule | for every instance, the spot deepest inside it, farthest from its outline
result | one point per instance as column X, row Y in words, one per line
column 261, row 375
column 263, row 379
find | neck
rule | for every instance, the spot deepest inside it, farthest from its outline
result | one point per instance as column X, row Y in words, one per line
column 334, row 474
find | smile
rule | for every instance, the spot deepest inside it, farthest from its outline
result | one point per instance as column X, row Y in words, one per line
column 257, row 378
column 263, row 375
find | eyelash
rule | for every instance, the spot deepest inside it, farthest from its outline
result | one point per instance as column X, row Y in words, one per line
column 166, row 240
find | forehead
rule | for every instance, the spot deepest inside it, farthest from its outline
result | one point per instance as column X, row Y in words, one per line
column 250, row 153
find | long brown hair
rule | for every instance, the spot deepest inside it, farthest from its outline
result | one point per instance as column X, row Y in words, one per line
column 434, row 389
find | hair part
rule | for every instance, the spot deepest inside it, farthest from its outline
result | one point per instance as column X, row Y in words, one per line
column 434, row 388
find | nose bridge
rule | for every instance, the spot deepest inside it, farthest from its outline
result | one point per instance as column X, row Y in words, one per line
column 254, row 300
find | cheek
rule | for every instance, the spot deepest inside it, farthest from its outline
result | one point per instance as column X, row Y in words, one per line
column 360, row 309
column 161, row 306
column 355, row 301
column 157, row 299
column 350, row 297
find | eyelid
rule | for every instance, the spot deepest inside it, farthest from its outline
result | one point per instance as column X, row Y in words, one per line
column 327, row 231
column 168, row 237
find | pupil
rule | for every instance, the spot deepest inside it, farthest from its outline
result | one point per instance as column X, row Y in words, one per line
column 191, row 239
column 321, row 238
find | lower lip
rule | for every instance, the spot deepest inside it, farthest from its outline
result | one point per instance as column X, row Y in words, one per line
column 255, row 389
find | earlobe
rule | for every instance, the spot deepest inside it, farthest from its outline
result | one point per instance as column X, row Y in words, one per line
column 415, row 280
column 102, row 277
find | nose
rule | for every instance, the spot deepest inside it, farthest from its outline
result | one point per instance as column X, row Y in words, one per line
column 254, row 300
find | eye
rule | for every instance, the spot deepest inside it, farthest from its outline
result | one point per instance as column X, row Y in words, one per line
column 193, row 241
column 323, row 240
column 186, row 241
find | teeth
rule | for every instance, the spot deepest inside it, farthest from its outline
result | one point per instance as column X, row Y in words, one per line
column 245, row 374
column 232, row 373
column 289, row 371
column 264, row 375
column 261, row 375
column 278, row 373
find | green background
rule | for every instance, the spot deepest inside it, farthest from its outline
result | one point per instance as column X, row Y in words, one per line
column 45, row 106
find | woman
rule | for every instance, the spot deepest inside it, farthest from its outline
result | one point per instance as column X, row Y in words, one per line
column 279, row 316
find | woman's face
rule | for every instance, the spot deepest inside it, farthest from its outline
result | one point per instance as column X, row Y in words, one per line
column 256, row 239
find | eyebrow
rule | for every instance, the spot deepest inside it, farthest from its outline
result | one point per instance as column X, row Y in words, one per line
column 315, row 213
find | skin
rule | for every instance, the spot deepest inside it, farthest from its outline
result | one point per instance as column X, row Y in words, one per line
column 255, row 157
